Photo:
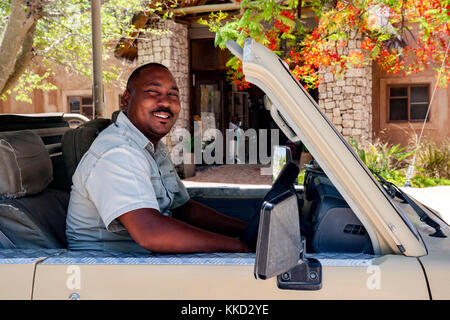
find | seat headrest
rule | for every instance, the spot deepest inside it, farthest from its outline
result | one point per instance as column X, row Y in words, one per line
column 25, row 166
column 76, row 142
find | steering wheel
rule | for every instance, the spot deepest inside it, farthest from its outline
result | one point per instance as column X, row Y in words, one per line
column 283, row 183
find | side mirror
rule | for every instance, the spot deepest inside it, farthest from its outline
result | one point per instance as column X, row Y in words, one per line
column 280, row 249
column 280, row 156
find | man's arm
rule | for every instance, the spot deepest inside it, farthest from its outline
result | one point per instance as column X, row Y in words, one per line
column 207, row 218
column 158, row 233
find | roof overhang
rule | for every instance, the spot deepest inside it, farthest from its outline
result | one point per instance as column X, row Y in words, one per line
column 126, row 47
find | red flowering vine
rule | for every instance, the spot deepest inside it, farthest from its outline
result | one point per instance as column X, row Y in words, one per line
column 402, row 37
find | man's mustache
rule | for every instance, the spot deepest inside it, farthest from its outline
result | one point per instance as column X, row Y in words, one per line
column 164, row 109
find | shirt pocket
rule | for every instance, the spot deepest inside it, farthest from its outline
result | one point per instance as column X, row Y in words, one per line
column 171, row 182
column 158, row 187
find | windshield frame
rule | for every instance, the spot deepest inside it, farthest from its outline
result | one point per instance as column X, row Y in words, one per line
column 262, row 67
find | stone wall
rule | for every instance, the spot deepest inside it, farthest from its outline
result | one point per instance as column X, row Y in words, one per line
column 347, row 99
column 168, row 44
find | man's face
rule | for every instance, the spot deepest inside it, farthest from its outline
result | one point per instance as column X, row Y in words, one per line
column 153, row 102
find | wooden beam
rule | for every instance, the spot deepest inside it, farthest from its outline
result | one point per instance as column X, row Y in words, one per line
column 126, row 47
column 206, row 8
column 306, row 11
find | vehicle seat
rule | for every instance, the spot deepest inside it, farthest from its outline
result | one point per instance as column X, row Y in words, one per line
column 337, row 229
column 31, row 216
column 76, row 142
column 335, row 226
column 316, row 184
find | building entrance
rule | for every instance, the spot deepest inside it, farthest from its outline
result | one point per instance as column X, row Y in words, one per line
column 217, row 104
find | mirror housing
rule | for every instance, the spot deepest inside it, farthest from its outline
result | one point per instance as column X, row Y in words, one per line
column 278, row 246
column 280, row 249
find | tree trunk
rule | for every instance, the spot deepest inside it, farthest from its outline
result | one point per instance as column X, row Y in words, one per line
column 16, row 42
column 23, row 59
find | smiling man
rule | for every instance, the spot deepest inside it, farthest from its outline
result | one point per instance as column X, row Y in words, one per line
column 126, row 194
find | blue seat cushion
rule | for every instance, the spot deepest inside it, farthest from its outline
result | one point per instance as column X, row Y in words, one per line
column 37, row 221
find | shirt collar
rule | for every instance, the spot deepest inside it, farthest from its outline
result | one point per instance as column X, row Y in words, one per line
column 143, row 142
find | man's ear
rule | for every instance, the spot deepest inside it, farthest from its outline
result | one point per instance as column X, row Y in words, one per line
column 125, row 99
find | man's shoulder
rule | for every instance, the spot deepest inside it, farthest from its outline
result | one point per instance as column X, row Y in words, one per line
column 110, row 143
column 111, row 137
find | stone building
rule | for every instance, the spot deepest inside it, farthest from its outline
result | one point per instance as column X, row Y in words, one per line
column 346, row 98
column 347, row 101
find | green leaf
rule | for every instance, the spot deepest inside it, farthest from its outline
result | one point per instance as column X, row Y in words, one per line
column 290, row 23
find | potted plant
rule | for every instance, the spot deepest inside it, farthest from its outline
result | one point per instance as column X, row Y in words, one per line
column 188, row 158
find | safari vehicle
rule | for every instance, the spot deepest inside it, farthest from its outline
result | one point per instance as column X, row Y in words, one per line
column 367, row 240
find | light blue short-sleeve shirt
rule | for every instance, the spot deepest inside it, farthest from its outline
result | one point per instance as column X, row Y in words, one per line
column 120, row 172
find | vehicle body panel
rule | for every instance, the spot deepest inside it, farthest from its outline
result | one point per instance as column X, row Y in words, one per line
column 436, row 263
column 16, row 281
column 437, row 269
column 231, row 278
column 17, row 271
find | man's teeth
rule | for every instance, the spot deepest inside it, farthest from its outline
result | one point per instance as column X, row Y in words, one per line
column 160, row 116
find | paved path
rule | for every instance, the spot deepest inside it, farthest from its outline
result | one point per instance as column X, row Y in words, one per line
column 234, row 174
column 437, row 198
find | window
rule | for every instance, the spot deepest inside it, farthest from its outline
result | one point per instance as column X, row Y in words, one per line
column 408, row 103
column 81, row 105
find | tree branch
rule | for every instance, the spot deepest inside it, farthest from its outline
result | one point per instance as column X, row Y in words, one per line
column 63, row 63
column 23, row 60
column 299, row 9
column 61, row 13
column 19, row 24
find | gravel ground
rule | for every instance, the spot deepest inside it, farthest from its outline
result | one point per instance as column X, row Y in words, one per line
column 437, row 198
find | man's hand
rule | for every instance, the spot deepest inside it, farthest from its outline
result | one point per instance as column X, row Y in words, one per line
column 158, row 233
column 204, row 217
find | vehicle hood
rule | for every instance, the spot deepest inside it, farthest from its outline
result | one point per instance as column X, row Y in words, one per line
column 436, row 198
column 436, row 263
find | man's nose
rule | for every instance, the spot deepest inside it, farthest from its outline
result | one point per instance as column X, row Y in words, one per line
column 164, row 100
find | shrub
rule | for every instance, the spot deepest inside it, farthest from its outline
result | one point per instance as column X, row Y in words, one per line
column 382, row 158
column 301, row 177
column 421, row 181
column 433, row 159
column 390, row 162
column 398, row 177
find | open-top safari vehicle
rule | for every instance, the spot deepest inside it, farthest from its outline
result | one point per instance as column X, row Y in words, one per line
column 366, row 239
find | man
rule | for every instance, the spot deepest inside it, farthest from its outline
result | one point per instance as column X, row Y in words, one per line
column 126, row 195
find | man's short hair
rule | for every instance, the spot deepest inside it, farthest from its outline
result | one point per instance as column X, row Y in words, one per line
column 138, row 71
